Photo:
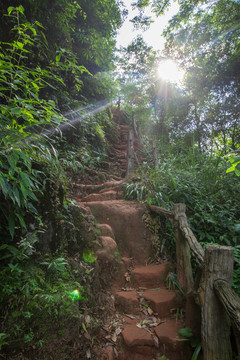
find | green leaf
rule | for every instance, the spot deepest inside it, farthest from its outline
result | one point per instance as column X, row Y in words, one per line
column 32, row 208
column 12, row 161
column 22, row 222
column 3, row 184
column 16, row 111
column 84, row 327
column 196, row 352
column 26, row 180
column 186, row 332
column 11, row 225
column 16, row 195
column 20, row 9
column 58, row 57
column 10, row 9
column 24, row 190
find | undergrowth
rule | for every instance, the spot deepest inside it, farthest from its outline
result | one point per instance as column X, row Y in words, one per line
column 210, row 194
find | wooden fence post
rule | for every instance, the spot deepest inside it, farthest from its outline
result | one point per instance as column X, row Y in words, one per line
column 184, row 269
column 215, row 322
column 231, row 303
column 183, row 255
column 130, row 154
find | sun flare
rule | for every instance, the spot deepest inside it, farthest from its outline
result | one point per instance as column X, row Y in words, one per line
column 168, row 70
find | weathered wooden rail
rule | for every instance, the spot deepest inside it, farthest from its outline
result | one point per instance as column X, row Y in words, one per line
column 220, row 305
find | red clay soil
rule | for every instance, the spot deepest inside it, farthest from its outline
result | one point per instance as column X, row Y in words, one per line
column 147, row 325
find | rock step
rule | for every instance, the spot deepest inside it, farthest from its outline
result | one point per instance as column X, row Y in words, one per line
column 134, row 336
column 125, row 218
column 169, row 340
column 127, row 302
column 114, row 188
column 162, row 302
column 107, row 194
column 151, row 276
column 87, row 189
column 148, row 343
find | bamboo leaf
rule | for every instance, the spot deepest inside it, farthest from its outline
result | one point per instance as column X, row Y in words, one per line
column 22, row 222
column 11, row 225
column 26, row 180
column 3, row 184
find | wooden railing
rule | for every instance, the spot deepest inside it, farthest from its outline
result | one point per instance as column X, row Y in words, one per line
column 219, row 304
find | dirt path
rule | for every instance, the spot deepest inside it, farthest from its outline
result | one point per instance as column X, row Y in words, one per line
column 148, row 315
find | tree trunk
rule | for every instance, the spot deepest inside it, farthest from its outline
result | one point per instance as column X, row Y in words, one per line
column 215, row 321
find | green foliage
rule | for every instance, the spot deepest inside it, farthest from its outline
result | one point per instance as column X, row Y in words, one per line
column 29, row 293
column 235, row 165
column 36, row 288
column 24, row 116
column 211, row 196
column 194, row 341
column 172, row 282
column 134, row 191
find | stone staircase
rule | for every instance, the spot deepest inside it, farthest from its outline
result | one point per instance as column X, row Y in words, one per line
column 148, row 314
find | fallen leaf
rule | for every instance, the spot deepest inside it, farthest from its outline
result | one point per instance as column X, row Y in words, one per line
column 88, row 319
column 87, row 336
column 150, row 311
column 115, row 352
column 114, row 337
column 130, row 316
column 118, row 331
column 127, row 277
column 88, row 354
column 144, row 311
column 156, row 341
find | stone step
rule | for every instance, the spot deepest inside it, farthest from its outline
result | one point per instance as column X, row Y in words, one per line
column 125, row 218
column 108, row 195
column 134, row 337
column 114, row 188
column 151, row 276
column 147, row 344
column 115, row 193
column 91, row 188
column 169, row 340
column 162, row 301
column 127, row 302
